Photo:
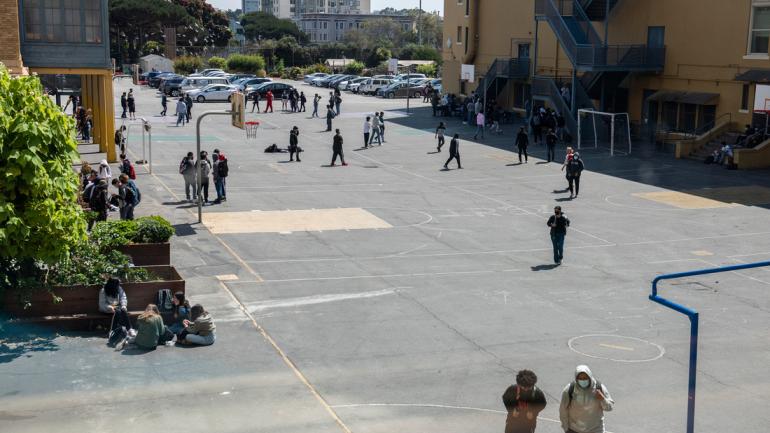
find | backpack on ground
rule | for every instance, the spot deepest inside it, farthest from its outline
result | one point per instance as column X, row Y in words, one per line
column 222, row 169
column 117, row 335
column 273, row 148
column 163, row 300
column 571, row 391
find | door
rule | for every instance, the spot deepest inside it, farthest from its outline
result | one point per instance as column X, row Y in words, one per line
column 524, row 51
column 656, row 36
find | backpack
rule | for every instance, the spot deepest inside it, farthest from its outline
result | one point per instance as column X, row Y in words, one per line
column 131, row 171
column 184, row 165
column 338, row 100
column 117, row 335
column 164, row 300
column 222, row 169
column 273, row 148
column 571, row 391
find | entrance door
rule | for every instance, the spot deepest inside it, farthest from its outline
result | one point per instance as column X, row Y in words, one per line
column 656, row 36
column 524, row 51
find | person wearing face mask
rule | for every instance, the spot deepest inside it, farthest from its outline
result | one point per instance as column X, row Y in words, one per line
column 523, row 402
column 583, row 403
column 558, row 224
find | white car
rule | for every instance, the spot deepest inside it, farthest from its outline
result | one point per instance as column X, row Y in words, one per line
column 355, row 84
column 213, row 92
column 310, row 77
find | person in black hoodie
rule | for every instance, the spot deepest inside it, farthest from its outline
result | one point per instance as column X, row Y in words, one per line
column 522, row 141
column 294, row 144
column 558, row 224
column 523, row 402
column 574, row 167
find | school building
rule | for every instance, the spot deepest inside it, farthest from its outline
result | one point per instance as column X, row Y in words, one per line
column 692, row 69
column 69, row 37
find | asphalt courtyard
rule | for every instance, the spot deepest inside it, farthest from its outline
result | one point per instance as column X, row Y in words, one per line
column 393, row 296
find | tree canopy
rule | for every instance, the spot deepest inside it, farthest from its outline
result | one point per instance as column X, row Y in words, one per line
column 262, row 25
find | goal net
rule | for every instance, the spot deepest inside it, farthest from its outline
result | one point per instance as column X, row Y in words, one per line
column 608, row 131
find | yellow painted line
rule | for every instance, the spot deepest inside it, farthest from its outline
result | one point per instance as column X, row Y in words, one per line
column 702, row 253
column 612, row 346
column 682, row 200
column 227, row 277
column 289, row 363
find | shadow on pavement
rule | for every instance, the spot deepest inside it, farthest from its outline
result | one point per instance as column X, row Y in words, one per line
column 544, row 267
column 18, row 340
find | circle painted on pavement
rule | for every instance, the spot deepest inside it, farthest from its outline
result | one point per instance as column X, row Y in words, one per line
column 616, row 348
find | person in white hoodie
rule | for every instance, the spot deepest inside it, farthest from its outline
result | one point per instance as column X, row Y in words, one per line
column 583, row 403
column 104, row 171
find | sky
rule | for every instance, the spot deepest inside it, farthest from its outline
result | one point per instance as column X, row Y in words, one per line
column 428, row 5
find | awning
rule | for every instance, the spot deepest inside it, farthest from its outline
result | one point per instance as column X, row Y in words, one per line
column 754, row 76
column 697, row 98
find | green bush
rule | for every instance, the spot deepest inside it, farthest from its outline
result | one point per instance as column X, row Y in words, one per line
column 295, row 73
column 88, row 265
column 113, row 233
column 261, row 73
column 152, row 230
column 354, row 67
column 187, row 64
column 245, row 63
column 428, row 70
column 318, row 67
column 217, row 62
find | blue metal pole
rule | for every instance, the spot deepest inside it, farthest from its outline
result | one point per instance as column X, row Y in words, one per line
column 693, row 373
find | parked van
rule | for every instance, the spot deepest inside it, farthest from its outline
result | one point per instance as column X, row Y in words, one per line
column 411, row 77
column 190, row 83
column 370, row 86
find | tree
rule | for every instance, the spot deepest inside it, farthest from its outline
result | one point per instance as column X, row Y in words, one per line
column 419, row 52
column 187, row 64
column 135, row 22
column 210, row 28
column 354, row 68
column 262, row 25
column 40, row 219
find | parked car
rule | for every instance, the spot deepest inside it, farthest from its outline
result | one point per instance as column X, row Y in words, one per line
column 190, row 83
column 353, row 85
column 235, row 77
column 402, row 89
column 343, row 84
column 172, row 86
column 403, row 77
column 207, row 72
column 213, row 92
column 277, row 89
column 310, row 77
column 154, row 80
column 252, row 82
column 372, row 85
column 324, row 82
column 387, row 76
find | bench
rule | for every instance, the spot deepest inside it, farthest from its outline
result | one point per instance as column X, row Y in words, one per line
column 79, row 306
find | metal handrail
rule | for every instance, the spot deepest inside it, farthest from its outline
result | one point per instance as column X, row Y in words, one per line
column 693, row 316
column 545, row 86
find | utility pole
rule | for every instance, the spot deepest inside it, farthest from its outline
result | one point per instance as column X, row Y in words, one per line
column 419, row 25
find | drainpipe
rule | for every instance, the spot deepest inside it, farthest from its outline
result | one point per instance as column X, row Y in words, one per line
column 473, row 29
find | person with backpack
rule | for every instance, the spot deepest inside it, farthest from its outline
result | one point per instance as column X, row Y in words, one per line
column 550, row 142
column 125, row 179
column 382, row 124
column 203, row 169
column 219, row 172
column 337, row 147
column 558, row 224
column 454, row 152
column 440, row 130
column 126, row 199
column 113, row 300
column 215, row 173
column 131, row 104
column 126, row 167
column 188, row 172
column 522, row 141
column 181, row 111
column 255, row 97
column 329, row 116
column 337, row 101
column 583, row 403
column 376, row 130
column 120, row 138
column 164, row 104
column 294, row 144
column 99, row 200
column 574, row 169
column 523, row 402
column 200, row 329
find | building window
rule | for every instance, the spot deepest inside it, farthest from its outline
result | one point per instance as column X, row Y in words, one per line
column 760, row 29
column 74, row 21
column 708, row 113
column 467, row 7
column 670, row 111
column 745, row 98
column 687, row 117
column 459, row 34
column 33, row 22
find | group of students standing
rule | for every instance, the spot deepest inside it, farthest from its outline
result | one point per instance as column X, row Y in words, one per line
column 95, row 195
column 190, row 325
column 217, row 167
column 374, row 128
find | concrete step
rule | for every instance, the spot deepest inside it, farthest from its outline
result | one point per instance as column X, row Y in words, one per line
column 92, row 158
column 88, row 148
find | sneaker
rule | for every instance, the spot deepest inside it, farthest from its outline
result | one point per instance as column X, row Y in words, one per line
column 344, row 164
column 332, row 165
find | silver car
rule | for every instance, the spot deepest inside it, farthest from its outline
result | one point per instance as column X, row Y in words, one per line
column 213, row 92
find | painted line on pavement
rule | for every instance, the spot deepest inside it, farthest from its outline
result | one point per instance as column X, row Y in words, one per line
column 319, row 299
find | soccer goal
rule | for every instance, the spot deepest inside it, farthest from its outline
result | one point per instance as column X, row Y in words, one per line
column 604, row 131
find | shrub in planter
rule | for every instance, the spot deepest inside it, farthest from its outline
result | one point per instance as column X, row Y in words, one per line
column 88, row 265
column 113, row 233
column 153, row 229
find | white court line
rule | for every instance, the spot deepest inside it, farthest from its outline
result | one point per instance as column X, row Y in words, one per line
column 319, row 299
column 764, row 253
column 357, row 277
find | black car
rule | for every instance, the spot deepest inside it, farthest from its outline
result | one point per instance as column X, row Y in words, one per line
column 276, row 88
column 172, row 86
column 252, row 82
column 155, row 81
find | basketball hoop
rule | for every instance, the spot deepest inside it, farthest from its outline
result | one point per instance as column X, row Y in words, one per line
column 251, row 129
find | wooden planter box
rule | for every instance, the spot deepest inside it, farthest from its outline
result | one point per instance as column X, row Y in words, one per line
column 148, row 254
column 84, row 300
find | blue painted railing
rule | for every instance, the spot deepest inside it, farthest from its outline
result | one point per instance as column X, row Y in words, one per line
column 693, row 316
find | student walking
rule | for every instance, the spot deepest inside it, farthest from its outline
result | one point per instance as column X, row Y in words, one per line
column 376, row 130
column 181, row 111
column 583, row 403
column 188, row 172
column 454, row 152
column 255, row 99
column 316, row 98
column 329, row 116
column 302, row 102
column 189, row 102
column 480, row 119
column 367, row 131
column 522, row 141
column 163, row 103
column 269, row 99
column 440, row 134
column 574, row 168
column 294, row 144
column 203, row 169
column 558, row 224
column 550, row 143
column 123, row 104
column 131, row 104
column 337, row 148
column 523, row 402
column 88, row 124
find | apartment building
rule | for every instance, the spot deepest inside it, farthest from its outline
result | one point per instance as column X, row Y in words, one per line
column 294, row 9
column 327, row 28
column 683, row 65
column 249, row 6
column 68, row 37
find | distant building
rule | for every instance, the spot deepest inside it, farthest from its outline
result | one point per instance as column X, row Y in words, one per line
column 237, row 30
column 248, row 6
column 327, row 27
column 294, row 9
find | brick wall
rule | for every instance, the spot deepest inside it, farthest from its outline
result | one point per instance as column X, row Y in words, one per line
column 10, row 49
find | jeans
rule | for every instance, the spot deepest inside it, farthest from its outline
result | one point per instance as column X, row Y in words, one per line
column 205, row 189
column 163, row 113
column 328, row 123
column 479, row 128
column 189, row 185
column 576, row 181
column 557, row 239
column 86, row 133
column 338, row 107
column 315, row 110
column 440, row 142
column 127, row 212
column 201, row 340
column 376, row 135
column 219, row 185
column 382, row 131
column 551, row 152
column 180, row 118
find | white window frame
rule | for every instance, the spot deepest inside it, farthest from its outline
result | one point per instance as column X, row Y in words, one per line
column 749, row 54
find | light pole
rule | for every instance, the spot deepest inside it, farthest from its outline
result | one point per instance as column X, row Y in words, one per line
column 419, row 25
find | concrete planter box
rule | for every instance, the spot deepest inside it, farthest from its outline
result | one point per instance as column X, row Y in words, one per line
column 148, row 254
column 83, row 301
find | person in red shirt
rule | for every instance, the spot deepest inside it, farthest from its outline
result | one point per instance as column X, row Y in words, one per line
column 269, row 98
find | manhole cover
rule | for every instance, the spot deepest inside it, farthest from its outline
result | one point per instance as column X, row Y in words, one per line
column 616, row 348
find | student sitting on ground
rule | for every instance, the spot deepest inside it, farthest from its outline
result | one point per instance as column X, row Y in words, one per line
column 181, row 313
column 200, row 329
column 151, row 332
